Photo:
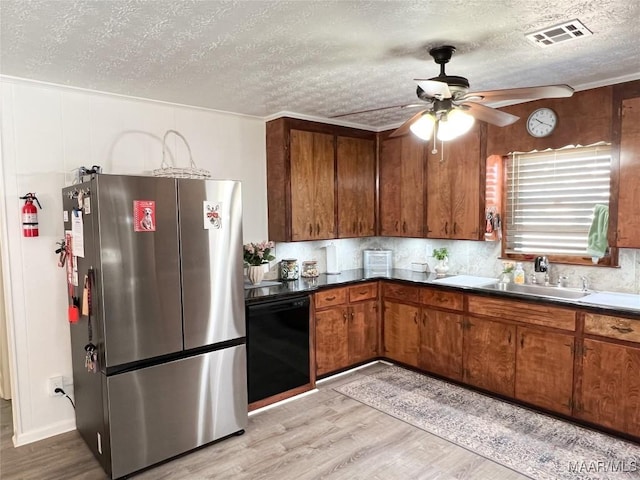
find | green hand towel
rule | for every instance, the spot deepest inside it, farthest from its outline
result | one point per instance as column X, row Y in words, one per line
column 597, row 239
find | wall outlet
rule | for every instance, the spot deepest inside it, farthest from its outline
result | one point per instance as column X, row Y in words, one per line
column 55, row 382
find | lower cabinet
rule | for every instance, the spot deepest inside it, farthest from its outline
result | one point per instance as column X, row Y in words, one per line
column 544, row 369
column 535, row 352
column 401, row 332
column 441, row 343
column 346, row 327
column 489, row 355
column 608, row 387
column 332, row 349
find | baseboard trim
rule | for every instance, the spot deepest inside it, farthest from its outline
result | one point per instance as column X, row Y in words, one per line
column 24, row 438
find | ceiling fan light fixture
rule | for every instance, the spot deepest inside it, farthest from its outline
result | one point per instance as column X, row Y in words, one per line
column 456, row 123
column 423, row 128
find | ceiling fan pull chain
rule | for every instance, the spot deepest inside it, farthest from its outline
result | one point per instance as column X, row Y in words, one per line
column 434, row 150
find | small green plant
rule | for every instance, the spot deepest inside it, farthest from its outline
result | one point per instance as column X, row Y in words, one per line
column 440, row 253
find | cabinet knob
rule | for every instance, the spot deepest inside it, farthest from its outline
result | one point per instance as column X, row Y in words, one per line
column 446, row 228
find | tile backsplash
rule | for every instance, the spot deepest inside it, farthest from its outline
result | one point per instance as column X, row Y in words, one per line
column 465, row 257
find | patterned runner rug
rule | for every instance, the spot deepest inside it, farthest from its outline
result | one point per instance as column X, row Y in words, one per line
column 530, row 443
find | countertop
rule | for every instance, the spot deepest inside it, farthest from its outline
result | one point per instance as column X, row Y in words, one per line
column 347, row 277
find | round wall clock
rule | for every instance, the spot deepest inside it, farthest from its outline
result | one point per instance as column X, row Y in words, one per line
column 542, row 122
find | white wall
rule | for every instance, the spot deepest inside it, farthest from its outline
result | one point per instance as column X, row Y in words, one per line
column 48, row 131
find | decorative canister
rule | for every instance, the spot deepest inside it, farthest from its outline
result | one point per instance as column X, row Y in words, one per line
column 289, row 269
column 310, row 269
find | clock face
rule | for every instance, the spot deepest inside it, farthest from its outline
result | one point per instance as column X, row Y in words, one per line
column 542, row 122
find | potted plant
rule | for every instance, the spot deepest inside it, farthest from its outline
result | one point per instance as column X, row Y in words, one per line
column 442, row 255
column 256, row 254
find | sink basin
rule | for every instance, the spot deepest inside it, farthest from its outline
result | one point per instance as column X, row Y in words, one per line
column 538, row 290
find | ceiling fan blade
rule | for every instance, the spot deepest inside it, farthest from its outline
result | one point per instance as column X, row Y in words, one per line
column 526, row 93
column 490, row 115
column 411, row 105
column 404, row 128
column 434, row 88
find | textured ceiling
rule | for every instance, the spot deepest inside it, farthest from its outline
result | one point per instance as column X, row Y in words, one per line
column 316, row 58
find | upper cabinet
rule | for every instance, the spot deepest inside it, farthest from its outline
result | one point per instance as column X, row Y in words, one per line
column 456, row 186
column 320, row 181
column 628, row 220
column 356, row 187
column 312, row 181
column 434, row 195
column 402, row 186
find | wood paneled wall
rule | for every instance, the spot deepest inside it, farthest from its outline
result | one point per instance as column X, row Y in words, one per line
column 584, row 118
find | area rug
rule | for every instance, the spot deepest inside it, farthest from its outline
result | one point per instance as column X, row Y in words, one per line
column 533, row 444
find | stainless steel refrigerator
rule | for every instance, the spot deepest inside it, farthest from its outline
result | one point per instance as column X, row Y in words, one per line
column 162, row 259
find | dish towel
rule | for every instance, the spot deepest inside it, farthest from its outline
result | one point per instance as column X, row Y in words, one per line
column 597, row 239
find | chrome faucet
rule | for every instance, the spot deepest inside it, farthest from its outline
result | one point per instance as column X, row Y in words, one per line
column 585, row 283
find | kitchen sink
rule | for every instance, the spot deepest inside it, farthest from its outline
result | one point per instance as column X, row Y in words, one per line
column 538, row 290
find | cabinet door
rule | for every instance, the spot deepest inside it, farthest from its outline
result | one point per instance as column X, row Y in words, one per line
column 401, row 332
column 331, row 340
column 363, row 331
column 609, row 393
column 439, row 188
column 402, row 187
column 544, row 369
column 489, row 355
column 454, row 181
column 312, row 186
column 441, row 343
column 629, row 196
column 356, row 166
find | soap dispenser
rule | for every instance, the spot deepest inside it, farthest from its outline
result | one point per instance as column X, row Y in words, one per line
column 518, row 274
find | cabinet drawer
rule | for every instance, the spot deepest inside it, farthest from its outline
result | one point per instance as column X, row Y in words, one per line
column 329, row 298
column 401, row 292
column 526, row 312
column 612, row 327
column 366, row 291
column 440, row 298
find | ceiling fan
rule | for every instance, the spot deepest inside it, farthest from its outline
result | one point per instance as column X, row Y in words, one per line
column 451, row 108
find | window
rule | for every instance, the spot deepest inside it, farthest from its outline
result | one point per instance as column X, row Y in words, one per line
column 550, row 200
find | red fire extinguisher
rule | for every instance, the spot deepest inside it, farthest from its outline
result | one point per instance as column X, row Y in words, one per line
column 30, row 215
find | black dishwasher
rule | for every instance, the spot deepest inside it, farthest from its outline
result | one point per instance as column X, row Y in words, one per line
column 277, row 346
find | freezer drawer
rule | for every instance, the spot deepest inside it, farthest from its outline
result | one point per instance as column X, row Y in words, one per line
column 158, row 412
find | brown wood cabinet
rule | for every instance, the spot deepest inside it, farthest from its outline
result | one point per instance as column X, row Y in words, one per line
column 456, row 187
column 320, row 181
column 346, row 326
column 544, row 369
column 609, row 391
column 628, row 221
column 312, row 183
column 401, row 332
column 441, row 332
column 356, row 175
column 402, row 186
column 441, row 343
column 608, row 386
column 538, row 339
column 489, row 355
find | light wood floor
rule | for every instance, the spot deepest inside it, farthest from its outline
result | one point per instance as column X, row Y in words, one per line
column 324, row 435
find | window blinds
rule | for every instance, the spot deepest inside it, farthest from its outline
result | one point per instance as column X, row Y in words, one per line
column 550, row 197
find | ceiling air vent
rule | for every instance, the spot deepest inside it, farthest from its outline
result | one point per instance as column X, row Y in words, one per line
column 559, row 33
